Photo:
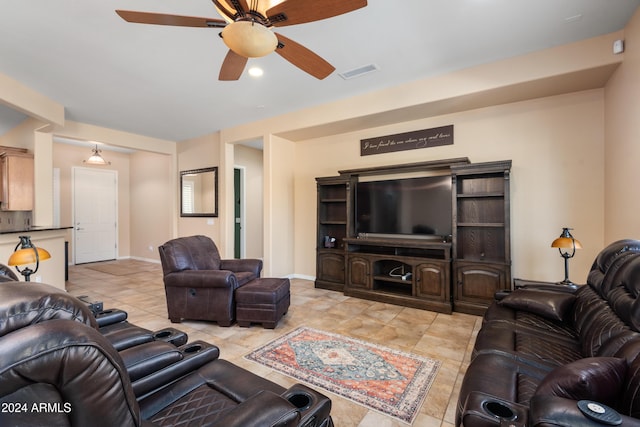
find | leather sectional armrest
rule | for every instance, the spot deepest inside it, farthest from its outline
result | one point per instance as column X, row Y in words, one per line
column 192, row 357
column 313, row 406
column 552, row 411
column 251, row 265
column 264, row 408
column 201, row 279
column 485, row 410
column 144, row 359
column 110, row 316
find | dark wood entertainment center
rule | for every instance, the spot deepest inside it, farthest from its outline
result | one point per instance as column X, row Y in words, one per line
column 460, row 272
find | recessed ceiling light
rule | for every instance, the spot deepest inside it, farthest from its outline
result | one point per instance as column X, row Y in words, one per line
column 255, row 72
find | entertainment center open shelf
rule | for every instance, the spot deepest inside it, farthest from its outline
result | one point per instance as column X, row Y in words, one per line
column 435, row 266
column 409, row 272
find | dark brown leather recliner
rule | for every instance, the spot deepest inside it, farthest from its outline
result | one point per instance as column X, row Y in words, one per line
column 199, row 284
column 57, row 369
column 543, row 349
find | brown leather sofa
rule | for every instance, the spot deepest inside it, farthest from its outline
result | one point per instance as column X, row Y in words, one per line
column 58, row 369
column 544, row 351
column 199, row 284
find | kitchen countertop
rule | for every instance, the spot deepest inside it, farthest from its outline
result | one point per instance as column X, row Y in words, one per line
column 32, row 229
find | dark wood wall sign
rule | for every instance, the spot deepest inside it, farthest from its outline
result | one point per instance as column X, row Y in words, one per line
column 425, row 138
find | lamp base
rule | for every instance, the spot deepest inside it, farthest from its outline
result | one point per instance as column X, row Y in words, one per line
column 567, row 282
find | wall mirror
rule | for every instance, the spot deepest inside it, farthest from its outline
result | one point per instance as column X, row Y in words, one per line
column 199, row 192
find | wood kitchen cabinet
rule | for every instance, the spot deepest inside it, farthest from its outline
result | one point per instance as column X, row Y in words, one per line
column 16, row 179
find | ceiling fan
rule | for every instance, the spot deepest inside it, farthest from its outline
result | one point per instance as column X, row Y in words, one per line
column 247, row 30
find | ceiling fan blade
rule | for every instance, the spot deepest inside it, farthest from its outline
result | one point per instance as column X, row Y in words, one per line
column 232, row 66
column 303, row 58
column 291, row 12
column 164, row 19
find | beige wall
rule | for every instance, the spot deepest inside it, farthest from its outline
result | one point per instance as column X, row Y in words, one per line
column 622, row 131
column 251, row 161
column 22, row 135
column 556, row 145
column 279, row 176
column 199, row 153
column 151, row 204
column 66, row 157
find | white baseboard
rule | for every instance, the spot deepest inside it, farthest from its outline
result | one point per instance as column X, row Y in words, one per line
column 301, row 276
column 137, row 258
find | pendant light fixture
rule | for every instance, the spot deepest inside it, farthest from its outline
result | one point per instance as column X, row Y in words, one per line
column 96, row 158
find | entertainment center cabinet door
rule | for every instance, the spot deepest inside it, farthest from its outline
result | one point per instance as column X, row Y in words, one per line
column 331, row 269
column 359, row 273
column 476, row 285
column 432, row 281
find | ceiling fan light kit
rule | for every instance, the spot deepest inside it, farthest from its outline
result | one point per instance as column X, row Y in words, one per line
column 249, row 39
column 247, row 30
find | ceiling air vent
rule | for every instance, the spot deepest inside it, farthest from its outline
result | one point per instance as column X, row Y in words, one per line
column 360, row 71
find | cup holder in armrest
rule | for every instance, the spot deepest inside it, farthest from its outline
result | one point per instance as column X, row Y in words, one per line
column 193, row 348
column 484, row 409
column 302, row 401
column 172, row 336
column 499, row 410
column 313, row 406
column 201, row 350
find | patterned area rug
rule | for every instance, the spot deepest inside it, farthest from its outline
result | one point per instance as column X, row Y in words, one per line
column 392, row 382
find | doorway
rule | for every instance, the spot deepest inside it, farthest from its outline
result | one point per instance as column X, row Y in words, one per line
column 94, row 214
column 238, row 197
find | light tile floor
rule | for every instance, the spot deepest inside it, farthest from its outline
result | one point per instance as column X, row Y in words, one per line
column 136, row 287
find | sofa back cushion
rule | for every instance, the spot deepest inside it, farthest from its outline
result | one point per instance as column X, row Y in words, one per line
column 629, row 402
column 594, row 321
column 607, row 257
column 624, row 291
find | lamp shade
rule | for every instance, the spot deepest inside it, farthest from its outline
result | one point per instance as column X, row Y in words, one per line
column 566, row 241
column 249, row 39
column 28, row 256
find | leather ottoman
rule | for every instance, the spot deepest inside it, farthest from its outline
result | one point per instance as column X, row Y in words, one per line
column 264, row 301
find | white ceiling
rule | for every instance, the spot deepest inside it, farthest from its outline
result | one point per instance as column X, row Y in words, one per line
column 162, row 81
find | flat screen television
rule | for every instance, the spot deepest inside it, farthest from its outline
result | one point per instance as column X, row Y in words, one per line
column 408, row 207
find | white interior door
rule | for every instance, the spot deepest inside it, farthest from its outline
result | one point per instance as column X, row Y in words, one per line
column 95, row 214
